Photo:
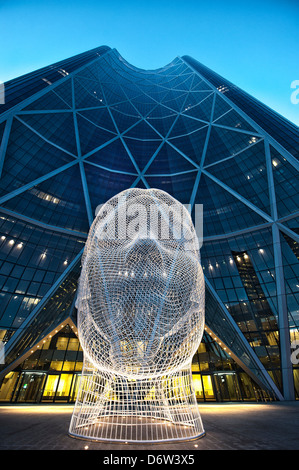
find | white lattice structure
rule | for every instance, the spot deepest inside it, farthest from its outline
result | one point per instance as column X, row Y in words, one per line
column 140, row 320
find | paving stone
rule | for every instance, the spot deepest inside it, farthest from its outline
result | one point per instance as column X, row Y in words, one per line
column 242, row 426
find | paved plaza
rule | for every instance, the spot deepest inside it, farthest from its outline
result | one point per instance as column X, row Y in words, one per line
column 228, row 426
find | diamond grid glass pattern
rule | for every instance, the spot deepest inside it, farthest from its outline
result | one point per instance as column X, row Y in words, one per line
column 107, row 126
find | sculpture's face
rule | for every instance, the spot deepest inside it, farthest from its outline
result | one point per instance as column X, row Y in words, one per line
column 141, row 296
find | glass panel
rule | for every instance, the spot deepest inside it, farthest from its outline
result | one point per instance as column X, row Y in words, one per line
column 63, row 390
column 142, row 150
column 100, row 117
column 50, row 100
column 113, row 156
column 203, row 109
column 179, row 186
column 113, row 92
column 50, row 388
column 79, row 366
column 64, row 91
column 169, row 161
column 62, row 343
column 208, row 388
column 57, row 128
column 192, row 145
column 56, row 201
column 144, row 131
column 28, row 157
column 88, row 93
column 68, row 365
column 8, row 386
column 222, row 212
column 233, row 119
column 296, row 382
column 290, row 252
column 56, row 365
column 75, row 387
column 247, row 387
column 246, row 174
column 221, row 107
column 92, row 136
column 161, row 122
column 2, row 127
column 224, row 143
column 73, row 344
column 286, row 184
column 186, row 125
column 102, row 184
column 197, row 383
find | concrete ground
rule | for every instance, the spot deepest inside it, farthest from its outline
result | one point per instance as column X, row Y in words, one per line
column 228, row 426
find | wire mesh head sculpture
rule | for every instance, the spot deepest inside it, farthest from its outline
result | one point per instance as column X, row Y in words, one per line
column 140, row 320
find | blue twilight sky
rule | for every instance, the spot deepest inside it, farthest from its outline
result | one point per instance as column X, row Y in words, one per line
column 254, row 43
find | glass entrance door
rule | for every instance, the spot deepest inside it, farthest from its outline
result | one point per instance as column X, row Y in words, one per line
column 203, row 387
column 31, row 387
column 227, row 386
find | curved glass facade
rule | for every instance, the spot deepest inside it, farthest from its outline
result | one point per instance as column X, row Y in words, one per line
column 98, row 125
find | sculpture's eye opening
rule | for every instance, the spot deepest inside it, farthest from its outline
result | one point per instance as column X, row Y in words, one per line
column 141, row 300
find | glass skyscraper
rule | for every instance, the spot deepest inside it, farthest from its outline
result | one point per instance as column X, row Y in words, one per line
column 76, row 133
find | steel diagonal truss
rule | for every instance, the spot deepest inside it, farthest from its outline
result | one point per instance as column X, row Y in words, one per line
column 169, row 89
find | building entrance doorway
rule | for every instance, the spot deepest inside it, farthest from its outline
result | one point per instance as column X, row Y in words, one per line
column 31, row 387
column 227, row 386
column 219, row 386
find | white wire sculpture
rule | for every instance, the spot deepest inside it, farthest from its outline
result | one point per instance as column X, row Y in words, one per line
column 140, row 321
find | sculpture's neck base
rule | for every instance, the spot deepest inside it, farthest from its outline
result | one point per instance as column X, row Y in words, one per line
column 114, row 408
